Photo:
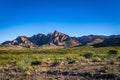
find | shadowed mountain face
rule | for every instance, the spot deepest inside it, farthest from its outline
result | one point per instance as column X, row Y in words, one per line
column 60, row 39
column 90, row 39
column 109, row 41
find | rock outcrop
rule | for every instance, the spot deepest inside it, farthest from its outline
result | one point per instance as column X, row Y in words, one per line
column 58, row 39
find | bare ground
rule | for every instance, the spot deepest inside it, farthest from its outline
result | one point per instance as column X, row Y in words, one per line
column 75, row 71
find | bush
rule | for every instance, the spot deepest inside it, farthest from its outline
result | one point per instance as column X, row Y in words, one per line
column 113, row 52
column 106, row 67
column 23, row 66
column 55, row 63
column 88, row 55
column 71, row 61
column 112, row 56
column 96, row 59
column 36, row 62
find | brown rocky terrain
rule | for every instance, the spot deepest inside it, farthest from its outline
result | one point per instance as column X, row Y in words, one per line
column 52, row 39
column 74, row 71
column 58, row 39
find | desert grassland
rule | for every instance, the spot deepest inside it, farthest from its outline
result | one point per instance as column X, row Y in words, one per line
column 84, row 53
column 86, row 61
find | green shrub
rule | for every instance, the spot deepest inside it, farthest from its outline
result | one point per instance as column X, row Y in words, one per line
column 113, row 53
column 24, row 64
column 88, row 55
column 36, row 62
column 112, row 56
column 72, row 61
column 82, row 59
column 55, row 63
column 21, row 65
column 96, row 59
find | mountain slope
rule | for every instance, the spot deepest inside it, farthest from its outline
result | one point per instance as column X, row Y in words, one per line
column 21, row 41
column 58, row 39
column 110, row 41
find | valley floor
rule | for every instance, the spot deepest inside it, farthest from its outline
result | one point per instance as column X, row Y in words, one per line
column 78, row 63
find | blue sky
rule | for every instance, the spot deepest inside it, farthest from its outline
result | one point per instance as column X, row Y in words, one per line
column 73, row 17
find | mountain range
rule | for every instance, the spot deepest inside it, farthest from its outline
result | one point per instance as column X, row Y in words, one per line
column 59, row 39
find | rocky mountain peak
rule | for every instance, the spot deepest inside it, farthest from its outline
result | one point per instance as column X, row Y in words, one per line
column 21, row 38
column 62, row 40
column 57, row 33
column 39, row 35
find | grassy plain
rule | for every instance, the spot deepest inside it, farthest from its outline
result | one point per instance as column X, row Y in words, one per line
column 54, row 62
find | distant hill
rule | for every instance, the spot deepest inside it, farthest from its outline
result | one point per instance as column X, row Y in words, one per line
column 113, row 40
column 58, row 39
column 89, row 39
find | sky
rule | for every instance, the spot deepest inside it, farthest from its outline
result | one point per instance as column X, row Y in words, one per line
column 72, row 17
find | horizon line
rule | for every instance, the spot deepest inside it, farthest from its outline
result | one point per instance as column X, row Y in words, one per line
column 63, row 33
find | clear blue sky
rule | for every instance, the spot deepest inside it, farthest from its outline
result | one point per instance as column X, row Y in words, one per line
column 73, row 17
